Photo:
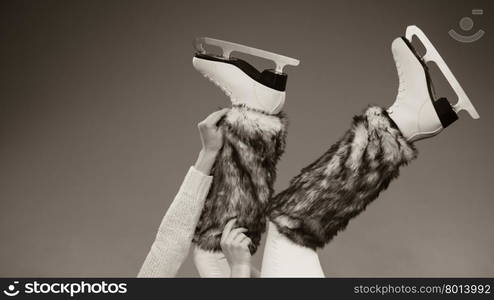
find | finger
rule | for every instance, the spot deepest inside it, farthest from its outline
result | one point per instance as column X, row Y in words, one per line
column 213, row 118
column 235, row 232
column 246, row 242
column 231, row 237
column 227, row 229
column 239, row 238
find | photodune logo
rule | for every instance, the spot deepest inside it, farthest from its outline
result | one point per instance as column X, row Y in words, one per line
column 466, row 24
column 11, row 290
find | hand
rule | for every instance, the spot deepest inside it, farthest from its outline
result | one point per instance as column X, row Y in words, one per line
column 212, row 141
column 235, row 246
column 211, row 135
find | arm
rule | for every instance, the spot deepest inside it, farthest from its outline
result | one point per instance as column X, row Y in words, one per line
column 174, row 236
column 235, row 246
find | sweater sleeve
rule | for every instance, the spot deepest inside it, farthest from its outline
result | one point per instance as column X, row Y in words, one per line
column 174, row 236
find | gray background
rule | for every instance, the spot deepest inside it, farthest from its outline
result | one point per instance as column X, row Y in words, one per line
column 98, row 110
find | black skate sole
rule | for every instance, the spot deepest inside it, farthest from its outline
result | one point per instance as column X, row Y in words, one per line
column 268, row 77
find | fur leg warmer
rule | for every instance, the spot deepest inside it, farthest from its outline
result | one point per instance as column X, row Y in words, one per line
column 322, row 199
column 243, row 176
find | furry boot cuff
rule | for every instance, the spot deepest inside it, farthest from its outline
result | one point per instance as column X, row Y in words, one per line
column 322, row 199
column 243, row 176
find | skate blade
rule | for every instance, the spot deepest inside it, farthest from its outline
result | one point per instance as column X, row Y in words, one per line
column 228, row 47
column 432, row 54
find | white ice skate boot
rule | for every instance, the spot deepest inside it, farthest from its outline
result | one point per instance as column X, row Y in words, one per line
column 416, row 112
column 244, row 84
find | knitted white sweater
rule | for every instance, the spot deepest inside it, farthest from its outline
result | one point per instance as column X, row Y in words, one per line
column 174, row 237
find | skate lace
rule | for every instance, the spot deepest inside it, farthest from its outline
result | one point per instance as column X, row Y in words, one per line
column 401, row 88
column 401, row 84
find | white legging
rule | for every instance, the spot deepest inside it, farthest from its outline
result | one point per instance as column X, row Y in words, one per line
column 284, row 258
column 211, row 264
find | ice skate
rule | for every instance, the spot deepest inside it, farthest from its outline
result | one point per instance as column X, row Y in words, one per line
column 254, row 139
column 243, row 83
column 416, row 111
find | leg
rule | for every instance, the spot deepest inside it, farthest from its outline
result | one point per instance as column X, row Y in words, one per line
column 211, row 264
column 327, row 194
column 243, row 176
column 254, row 139
column 284, row 258
column 322, row 199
